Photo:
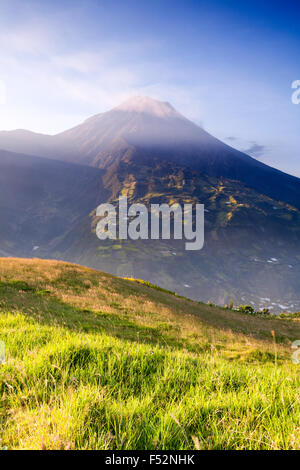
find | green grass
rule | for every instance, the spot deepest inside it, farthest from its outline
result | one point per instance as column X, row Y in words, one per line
column 98, row 362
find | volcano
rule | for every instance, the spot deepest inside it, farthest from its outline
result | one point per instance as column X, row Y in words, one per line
column 142, row 127
column 148, row 151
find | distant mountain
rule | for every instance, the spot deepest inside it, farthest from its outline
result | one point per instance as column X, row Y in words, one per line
column 144, row 127
column 146, row 150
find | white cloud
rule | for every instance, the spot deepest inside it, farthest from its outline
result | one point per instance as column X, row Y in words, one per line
column 31, row 40
column 3, row 94
column 51, row 79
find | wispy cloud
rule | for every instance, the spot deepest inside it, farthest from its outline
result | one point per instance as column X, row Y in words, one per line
column 94, row 79
column 2, row 92
column 256, row 150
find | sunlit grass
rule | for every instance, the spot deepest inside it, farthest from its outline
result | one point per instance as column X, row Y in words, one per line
column 97, row 362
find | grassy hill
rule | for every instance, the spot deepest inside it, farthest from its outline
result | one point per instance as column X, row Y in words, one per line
column 99, row 362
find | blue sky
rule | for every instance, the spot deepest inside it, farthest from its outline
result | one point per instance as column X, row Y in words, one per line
column 227, row 65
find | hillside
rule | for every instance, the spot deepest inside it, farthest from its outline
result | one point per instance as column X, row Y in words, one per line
column 99, row 362
column 247, row 255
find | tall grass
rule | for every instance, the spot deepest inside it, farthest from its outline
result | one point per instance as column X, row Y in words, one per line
column 115, row 378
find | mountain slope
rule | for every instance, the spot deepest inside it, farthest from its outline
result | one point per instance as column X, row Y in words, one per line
column 143, row 127
column 98, row 362
column 42, row 199
column 247, row 256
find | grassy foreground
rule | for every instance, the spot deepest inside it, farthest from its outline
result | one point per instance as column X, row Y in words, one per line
column 99, row 362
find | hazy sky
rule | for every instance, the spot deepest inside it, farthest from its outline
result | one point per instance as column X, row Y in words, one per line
column 227, row 65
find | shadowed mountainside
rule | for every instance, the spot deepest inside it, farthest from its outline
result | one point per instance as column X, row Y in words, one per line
column 42, row 199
